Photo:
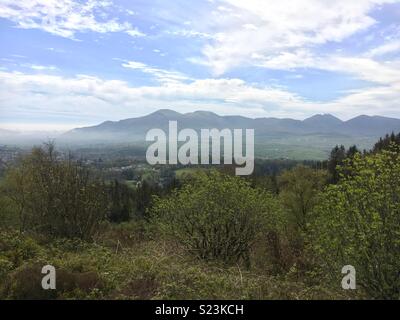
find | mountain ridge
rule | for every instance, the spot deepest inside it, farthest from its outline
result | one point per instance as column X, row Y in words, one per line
column 135, row 129
column 171, row 113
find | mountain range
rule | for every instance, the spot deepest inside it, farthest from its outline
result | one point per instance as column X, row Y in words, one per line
column 312, row 138
column 134, row 129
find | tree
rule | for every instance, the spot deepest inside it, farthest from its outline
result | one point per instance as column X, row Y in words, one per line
column 55, row 197
column 384, row 144
column 299, row 191
column 337, row 157
column 144, row 195
column 121, row 202
column 300, row 187
column 216, row 216
column 352, row 151
column 358, row 223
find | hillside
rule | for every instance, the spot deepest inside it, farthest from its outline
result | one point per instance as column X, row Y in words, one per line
column 311, row 138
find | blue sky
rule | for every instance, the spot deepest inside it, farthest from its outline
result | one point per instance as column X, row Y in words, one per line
column 69, row 63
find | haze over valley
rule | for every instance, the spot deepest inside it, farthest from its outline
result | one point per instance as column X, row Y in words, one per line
column 309, row 139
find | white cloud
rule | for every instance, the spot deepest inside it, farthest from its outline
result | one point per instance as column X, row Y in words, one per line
column 40, row 67
column 134, row 32
column 390, row 47
column 267, row 28
column 163, row 76
column 275, row 34
column 362, row 68
column 89, row 100
column 187, row 33
column 64, row 17
column 287, row 60
column 365, row 69
column 131, row 12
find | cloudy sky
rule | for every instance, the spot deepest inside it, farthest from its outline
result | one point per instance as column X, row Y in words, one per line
column 68, row 63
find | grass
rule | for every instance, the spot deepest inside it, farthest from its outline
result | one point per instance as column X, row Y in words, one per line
column 125, row 263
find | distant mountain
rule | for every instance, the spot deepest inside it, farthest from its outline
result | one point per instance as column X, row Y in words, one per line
column 312, row 138
column 323, row 122
column 134, row 129
column 366, row 125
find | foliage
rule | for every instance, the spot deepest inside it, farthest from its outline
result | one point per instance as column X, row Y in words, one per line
column 144, row 270
column 338, row 156
column 299, row 193
column 274, row 235
column 121, row 202
column 144, row 196
column 386, row 142
column 358, row 223
column 57, row 198
column 216, row 216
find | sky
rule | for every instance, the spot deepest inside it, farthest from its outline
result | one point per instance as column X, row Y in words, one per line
column 72, row 63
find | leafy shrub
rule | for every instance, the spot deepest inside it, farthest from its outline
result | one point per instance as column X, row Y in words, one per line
column 299, row 193
column 17, row 248
column 216, row 217
column 358, row 223
column 57, row 198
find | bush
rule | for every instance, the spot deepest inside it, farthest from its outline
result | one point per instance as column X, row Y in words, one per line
column 358, row 223
column 57, row 198
column 16, row 248
column 216, row 217
column 121, row 202
column 300, row 187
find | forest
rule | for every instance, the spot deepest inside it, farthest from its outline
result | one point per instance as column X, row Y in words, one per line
column 284, row 232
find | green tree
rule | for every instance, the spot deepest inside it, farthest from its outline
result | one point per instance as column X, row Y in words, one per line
column 358, row 223
column 352, row 151
column 336, row 158
column 144, row 196
column 122, row 202
column 386, row 142
column 299, row 189
column 55, row 197
column 216, row 216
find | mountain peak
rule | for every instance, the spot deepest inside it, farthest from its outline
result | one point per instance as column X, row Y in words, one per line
column 166, row 113
column 323, row 117
column 202, row 113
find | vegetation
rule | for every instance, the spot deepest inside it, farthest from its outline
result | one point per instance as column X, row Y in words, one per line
column 299, row 189
column 358, row 222
column 57, row 199
column 386, row 142
column 283, row 233
column 213, row 229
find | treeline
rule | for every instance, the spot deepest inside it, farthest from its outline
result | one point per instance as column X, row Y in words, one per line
column 339, row 154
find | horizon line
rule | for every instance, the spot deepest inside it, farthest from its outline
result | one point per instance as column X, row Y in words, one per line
column 65, row 127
